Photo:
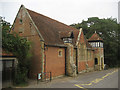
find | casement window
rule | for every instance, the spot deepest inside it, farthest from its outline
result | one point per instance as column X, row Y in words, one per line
column 60, row 53
column 97, row 44
column 101, row 44
column 93, row 44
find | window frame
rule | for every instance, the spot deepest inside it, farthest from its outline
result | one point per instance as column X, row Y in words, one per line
column 59, row 53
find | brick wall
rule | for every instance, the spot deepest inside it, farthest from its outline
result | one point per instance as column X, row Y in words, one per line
column 85, row 56
column 25, row 28
column 81, row 65
column 90, row 63
column 54, row 62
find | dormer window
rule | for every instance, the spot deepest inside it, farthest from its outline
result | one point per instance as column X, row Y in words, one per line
column 67, row 40
column 67, row 37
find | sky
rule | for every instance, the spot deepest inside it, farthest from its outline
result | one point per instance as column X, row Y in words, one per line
column 65, row 11
column 119, row 11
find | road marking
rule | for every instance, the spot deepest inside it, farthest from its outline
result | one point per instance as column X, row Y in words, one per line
column 80, row 87
column 95, row 81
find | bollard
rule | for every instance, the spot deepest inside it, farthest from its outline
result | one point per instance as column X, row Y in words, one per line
column 50, row 76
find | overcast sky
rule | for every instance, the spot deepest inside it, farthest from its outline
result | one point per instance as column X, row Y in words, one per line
column 65, row 11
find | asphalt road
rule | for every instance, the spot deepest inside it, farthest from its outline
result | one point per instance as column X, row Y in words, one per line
column 97, row 79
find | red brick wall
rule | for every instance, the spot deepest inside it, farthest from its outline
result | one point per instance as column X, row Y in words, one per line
column 99, row 51
column 55, row 63
column 88, row 55
column 31, row 34
column 90, row 60
column 90, row 63
column 81, row 66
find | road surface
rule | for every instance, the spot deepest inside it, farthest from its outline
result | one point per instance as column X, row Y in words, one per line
column 97, row 79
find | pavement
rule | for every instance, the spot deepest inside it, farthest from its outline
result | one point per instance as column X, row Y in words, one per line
column 97, row 79
column 105, row 79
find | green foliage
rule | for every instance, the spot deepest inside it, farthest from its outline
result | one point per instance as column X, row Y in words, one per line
column 19, row 47
column 109, row 30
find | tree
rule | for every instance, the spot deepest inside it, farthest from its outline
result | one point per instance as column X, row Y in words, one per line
column 109, row 30
column 19, row 47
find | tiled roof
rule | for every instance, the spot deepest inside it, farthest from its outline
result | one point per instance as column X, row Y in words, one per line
column 64, row 34
column 52, row 30
column 95, row 37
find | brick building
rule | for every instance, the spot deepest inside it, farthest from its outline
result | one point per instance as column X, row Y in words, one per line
column 56, row 47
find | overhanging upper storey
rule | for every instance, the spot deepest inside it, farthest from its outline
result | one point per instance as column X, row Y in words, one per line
column 95, row 40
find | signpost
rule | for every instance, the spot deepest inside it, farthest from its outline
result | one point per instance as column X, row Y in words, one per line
column 39, row 76
column 46, row 76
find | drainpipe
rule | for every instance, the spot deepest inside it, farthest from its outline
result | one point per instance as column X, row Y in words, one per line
column 76, row 61
column 42, row 58
column 87, row 60
column 65, row 62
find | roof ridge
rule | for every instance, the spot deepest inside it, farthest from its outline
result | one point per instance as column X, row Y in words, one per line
column 94, row 36
column 52, row 19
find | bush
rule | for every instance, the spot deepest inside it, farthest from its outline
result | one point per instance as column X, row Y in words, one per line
column 20, row 75
column 19, row 47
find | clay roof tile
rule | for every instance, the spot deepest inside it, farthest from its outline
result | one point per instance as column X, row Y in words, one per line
column 52, row 30
column 95, row 37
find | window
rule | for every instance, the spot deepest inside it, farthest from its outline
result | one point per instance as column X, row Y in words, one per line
column 93, row 44
column 67, row 40
column 101, row 44
column 59, row 53
column 97, row 44
column 20, row 21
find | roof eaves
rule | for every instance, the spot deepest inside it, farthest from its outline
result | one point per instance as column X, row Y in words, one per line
column 57, row 45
